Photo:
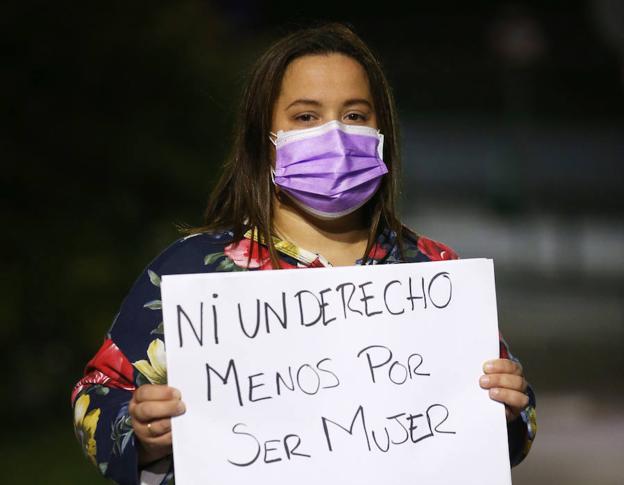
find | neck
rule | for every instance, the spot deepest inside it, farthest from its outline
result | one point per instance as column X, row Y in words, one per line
column 304, row 230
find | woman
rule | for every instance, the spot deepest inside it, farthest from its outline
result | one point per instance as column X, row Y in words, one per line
column 307, row 170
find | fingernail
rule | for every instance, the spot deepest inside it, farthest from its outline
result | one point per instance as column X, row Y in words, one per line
column 181, row 407
column 489, row 366
column 176, row 394
column 494, row 392
column 484, row 380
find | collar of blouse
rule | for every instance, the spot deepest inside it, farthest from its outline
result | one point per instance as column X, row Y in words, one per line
column 382, row 247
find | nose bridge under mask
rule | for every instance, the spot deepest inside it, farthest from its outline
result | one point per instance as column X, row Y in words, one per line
column 286, row 136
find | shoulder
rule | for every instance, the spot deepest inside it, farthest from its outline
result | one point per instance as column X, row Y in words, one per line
column 192, row 254
column 139, row 317
column 419, row 248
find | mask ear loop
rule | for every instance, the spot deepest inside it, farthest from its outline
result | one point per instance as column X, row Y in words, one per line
column 276, row 188
column 274, row 141
column 380, row 145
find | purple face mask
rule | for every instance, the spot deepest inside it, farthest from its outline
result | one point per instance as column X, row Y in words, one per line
column 329, row 170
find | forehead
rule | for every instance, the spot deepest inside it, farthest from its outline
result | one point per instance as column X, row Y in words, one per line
column 325, row 76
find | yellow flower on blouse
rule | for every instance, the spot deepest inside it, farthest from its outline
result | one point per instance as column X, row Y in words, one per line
column 156, row 369
column 532, row 429
column 85, row 425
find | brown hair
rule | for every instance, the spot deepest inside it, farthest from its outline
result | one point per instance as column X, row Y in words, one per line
column 243, row 194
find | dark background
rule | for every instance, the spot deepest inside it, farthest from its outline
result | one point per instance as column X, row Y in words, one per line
column 118, row 117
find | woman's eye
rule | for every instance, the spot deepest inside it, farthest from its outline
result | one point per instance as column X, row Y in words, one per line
column 305, row 117
column 355, row 117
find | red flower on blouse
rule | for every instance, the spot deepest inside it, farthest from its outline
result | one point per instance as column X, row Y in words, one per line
column 378, row 251
column 109, row 366
column 239, row 253
column 434, row 250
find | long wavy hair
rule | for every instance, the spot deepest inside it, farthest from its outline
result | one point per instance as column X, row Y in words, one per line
column 242, row 196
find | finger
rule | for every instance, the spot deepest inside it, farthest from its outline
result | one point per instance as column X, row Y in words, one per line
column 152, row 410
column 158, row 427
column 507, row 381
column 515, row 399
column 502, row 366
column 148, row 432
column 156, row 392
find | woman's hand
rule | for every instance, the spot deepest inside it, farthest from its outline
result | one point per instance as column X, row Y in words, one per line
column 151, row 409
column 506, row 382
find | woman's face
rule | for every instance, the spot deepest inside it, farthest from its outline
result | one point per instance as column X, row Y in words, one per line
column 321, row 88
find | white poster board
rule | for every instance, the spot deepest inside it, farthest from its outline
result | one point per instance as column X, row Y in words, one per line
column 347, row 375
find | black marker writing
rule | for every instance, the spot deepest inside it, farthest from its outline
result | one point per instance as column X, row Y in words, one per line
column 379, row 356
column 198, row 336
column 419, row 427
column 271, row 453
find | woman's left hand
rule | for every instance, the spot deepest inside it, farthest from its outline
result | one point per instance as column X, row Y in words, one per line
column 506, row 382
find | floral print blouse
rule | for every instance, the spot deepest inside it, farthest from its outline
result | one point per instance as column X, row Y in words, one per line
column 133, row 352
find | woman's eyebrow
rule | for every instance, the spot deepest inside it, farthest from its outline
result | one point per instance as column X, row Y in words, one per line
column 309, row 102
column 351, row 102
column 313, row 102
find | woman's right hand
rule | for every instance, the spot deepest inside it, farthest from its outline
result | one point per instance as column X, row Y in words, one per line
column 151, row 408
